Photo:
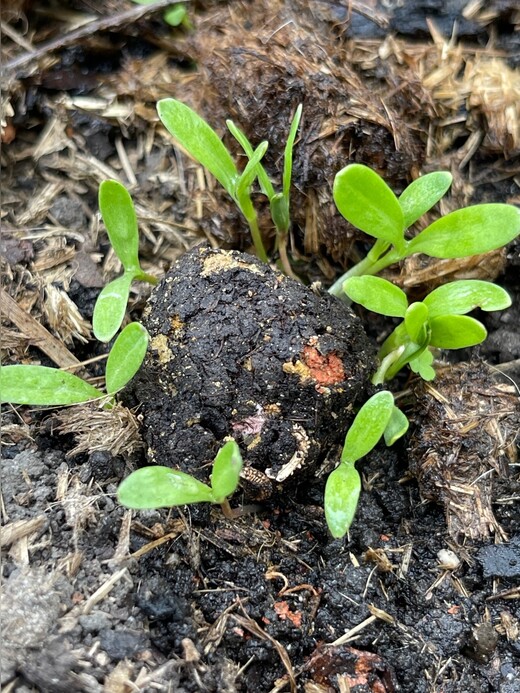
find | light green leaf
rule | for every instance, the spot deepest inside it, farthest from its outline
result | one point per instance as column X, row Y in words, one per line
column 368, row 426
column 416, row 323
column 470, row 231
column 110, row 308
column 265, row 184
column 226, row 471
column 397, row 426
column 117, row 210
column 406, row 353
column 422, row 365
column 377, row 294
column 125, row 357
column 398, row 337
column 161, row 487
column 41, row 386
column 341, row 499
column 366, row 201
column 280, row 212
column 288, row 154
column 459, row 297
column 456, row 332
column 250, row 172
column 200, row 141
column 422, row 194
column 175, row 15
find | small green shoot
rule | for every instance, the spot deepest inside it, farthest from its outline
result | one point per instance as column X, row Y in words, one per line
column 439, row 321
column 174, row 15
column 279, row 202
column 203, row 144
column 118, row 213
column 44, row 386
column 125, row 357
column 365, row 200
column 377, row 417
column 163, row 487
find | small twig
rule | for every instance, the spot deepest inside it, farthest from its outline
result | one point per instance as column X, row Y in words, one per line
column 102, row 591
column 38, row 335
column 353, row 631
column 15, row 68
column 16, row 37
column 252, row 626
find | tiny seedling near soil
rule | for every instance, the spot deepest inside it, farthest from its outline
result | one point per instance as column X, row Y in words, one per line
column 204, row 145
column 279, row 202
column 163, row 487
column 377, row 417
column 439, row 320
column 118, row 213
column 366, row 201
column 43, row 386
column 175, row 15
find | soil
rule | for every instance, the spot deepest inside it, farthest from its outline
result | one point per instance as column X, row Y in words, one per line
column 422, row 595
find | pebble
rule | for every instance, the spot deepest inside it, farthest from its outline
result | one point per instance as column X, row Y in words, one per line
column 94, row 622
column 448, row 559
column 119, row 644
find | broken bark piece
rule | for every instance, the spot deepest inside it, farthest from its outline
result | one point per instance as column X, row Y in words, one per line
column 465, row 428
column 238, row 349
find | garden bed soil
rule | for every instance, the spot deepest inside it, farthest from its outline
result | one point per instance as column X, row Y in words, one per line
column 422, row 595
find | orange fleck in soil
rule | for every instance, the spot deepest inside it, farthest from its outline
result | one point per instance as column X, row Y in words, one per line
column 326, row 369
column 283, row 611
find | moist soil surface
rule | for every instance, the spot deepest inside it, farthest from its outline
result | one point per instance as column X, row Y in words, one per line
column 422, row 595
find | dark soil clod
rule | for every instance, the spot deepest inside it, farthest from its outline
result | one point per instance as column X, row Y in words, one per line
column 237, row 349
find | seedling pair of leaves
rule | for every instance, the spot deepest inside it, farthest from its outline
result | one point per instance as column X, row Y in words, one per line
column 439, row 321
column 204, row 145
column 40, row 385
column 378, row 417
column 118, row 213
column 163, row 487
column 367, row 202
column 43, row 386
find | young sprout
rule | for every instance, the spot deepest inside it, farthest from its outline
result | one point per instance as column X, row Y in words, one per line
column 279, row 202
column 163, row 487
column 174, row 15
column 439, row 320
column 43, row 386
column 118, row 213
column 366, row 201
column 204, row 145
column 377, row 417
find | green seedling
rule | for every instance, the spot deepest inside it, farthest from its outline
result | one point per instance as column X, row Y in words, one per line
column 203, row 144
column 164, row 487
column 366, row 201
column 279, row 202
column 175, row 15
column 378, row 417
column 439, row 321
column 118, row 213
column 43, row 386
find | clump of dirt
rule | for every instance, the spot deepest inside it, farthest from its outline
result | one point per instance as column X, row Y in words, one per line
column 464, row 440
column 238, row 349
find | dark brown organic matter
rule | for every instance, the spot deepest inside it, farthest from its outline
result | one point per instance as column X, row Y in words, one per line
column 464, row 440
column 98, row 599
column 237, row 349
